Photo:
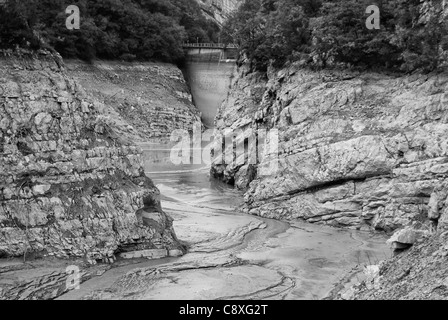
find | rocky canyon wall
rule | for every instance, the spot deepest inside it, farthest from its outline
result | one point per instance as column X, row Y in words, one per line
column 71, row 185
column 147, row 101
column 219, row 10
column 365, row 151
column 419, row 273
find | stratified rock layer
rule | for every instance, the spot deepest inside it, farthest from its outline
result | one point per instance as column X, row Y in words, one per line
column 146, row 101
column 219, row 10
column 355, row 150
column 69, row 185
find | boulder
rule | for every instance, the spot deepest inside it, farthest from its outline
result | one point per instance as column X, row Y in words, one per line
column 403, row 238
column 245, row 176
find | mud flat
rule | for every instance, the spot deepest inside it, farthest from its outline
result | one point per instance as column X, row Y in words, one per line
column 236, row 256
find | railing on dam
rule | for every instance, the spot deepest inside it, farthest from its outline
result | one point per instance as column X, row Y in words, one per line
column 210, row 45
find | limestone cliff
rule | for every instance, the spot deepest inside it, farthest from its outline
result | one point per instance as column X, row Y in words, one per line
column 365, row 151
column 356, row 150
column 69, row 185
column 146, row 101
column 219, row 10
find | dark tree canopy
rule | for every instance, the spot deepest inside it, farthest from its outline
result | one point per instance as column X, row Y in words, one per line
column 333, row 32
column 320, row 33
column 110, row 29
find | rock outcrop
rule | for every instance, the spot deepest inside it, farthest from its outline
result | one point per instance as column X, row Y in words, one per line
column 219, row 10
column 419, row 273
column 44, row 279
column 70, row 186
column 145, row 101
column 365, row 151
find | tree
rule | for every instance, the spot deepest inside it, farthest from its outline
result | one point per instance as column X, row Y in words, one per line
column 340, row 36
column 333, row 33
column 423, row 36
column 268, row 31
column 110, row 29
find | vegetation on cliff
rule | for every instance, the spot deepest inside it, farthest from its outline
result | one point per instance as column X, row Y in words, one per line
column 412, row 35
column 110, row 29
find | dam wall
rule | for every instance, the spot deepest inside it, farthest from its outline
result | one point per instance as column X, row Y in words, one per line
column 210, row 79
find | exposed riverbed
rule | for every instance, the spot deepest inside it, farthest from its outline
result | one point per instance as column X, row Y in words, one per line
column 232, row 255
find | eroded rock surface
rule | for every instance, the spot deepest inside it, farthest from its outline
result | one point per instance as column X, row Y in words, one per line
column 365, row 151
column 145, row 101
column 419, row 273
column 219, row 10
column 70, row 186
column 235, row 256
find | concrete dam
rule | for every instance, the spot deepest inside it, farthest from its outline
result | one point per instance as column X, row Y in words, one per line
column 209, row 70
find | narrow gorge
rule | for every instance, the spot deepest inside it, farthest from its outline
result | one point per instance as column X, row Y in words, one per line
column 99, row 183
column 340, row 193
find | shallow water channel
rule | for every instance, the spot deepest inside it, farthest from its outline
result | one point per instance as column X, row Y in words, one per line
column 232, row 255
